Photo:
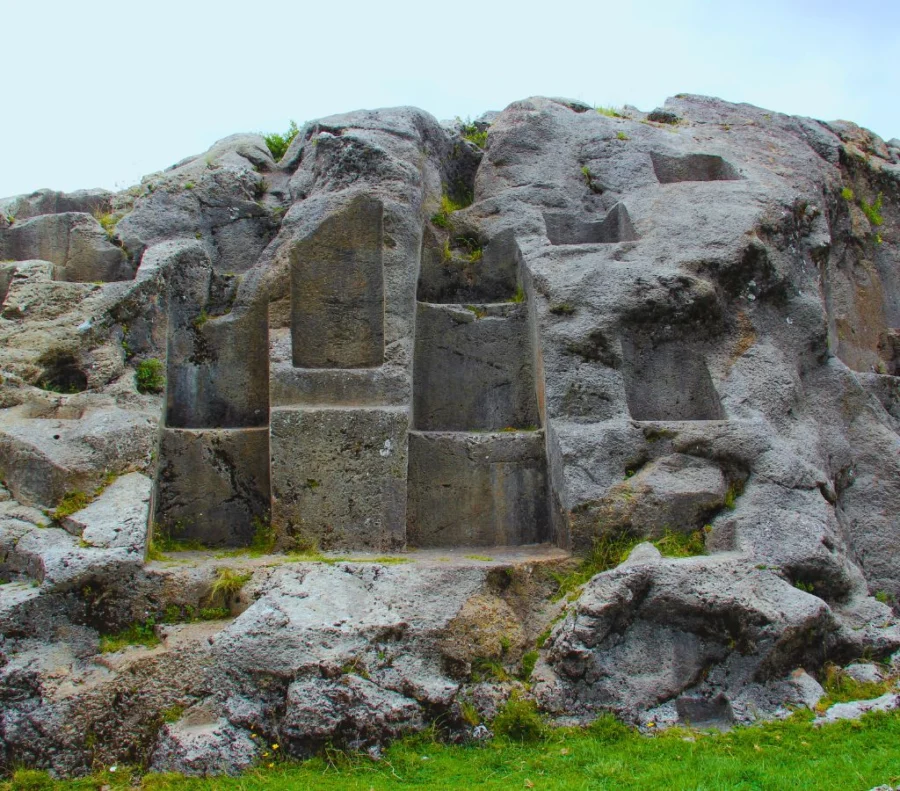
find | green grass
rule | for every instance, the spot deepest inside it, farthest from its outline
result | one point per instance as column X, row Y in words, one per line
column 278, row 143
column 136, row 634
column 621, row 136
column 784, row 756
column 190, row 614
column 485, row 558
column 609, row 112
column 108, row 221
column 608, row 551
column 873, row 210
column 70, row 504
column 840, row 687
column 441, row 218
column 847, row 193
column 227, row 583
column 149, row 376
column 470, row 132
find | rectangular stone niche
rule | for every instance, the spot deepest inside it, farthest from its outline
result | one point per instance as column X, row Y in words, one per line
column 337, row 290
column 692, row 167
column 213, row 484
column 473, row 368
column 470, row 489
column 566, row 228
column 217, row 370
column 668, row 382
column 339, row 477
column 492, row 277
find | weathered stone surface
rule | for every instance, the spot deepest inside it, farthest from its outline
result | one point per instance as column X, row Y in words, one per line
column 213, row 484
column 485, row 489
column 677, row 493
column 42, row 459
column 339, row 476
column 74, row 242
column 118, row 517
column 23, row 207
column 473, row 368
column 201, row 744
column 352, row 709
column 855, row 709
column 337, row 291
column 217, row 367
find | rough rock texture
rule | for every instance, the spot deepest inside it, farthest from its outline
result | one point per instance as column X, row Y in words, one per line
column 636, row 326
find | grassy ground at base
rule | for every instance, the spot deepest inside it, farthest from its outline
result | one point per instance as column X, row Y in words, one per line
column 790, row 755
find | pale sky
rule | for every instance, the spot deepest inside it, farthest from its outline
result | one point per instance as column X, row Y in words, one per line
column 99, row 94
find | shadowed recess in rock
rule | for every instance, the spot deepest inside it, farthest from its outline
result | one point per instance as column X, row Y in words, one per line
column 488, row 275
column 692, row 167
column 473, row 368
column 565, row 228
column 217, row 365
column 337, row 290
column 668, row 381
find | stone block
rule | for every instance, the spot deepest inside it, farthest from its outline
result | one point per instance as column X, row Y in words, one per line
column 473, row 368
column 468, row 489
column 213, row 484
column 337, row 290
column 339, row 477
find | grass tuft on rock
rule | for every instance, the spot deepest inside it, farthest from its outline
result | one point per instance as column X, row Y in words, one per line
column 841, row 687
column 149, row 376
column 278, row 143
column 71, row 503
column 136, row 634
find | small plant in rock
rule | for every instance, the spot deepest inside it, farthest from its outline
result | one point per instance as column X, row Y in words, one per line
column 519, row 295
column 609, row 112
column 519, row 720
column 873, row 210
column 529, row 660
column 263, row 541
column 621, row 136
column 735, row 490
column 278, row 143
column 674, row 544
column 200, row 319
column 883, row 596
column 469, row 714
column 562, row 309
column 108, row 221
column 441, row 218
column 149, row 376
column 227, row 584
column 70, row 504
column 172, row 714
column 847, row 194
column 472, row 132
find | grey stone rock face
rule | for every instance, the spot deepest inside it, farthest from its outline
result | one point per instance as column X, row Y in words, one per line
column 654, row 330
column 202, row 745
column 74, row 242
